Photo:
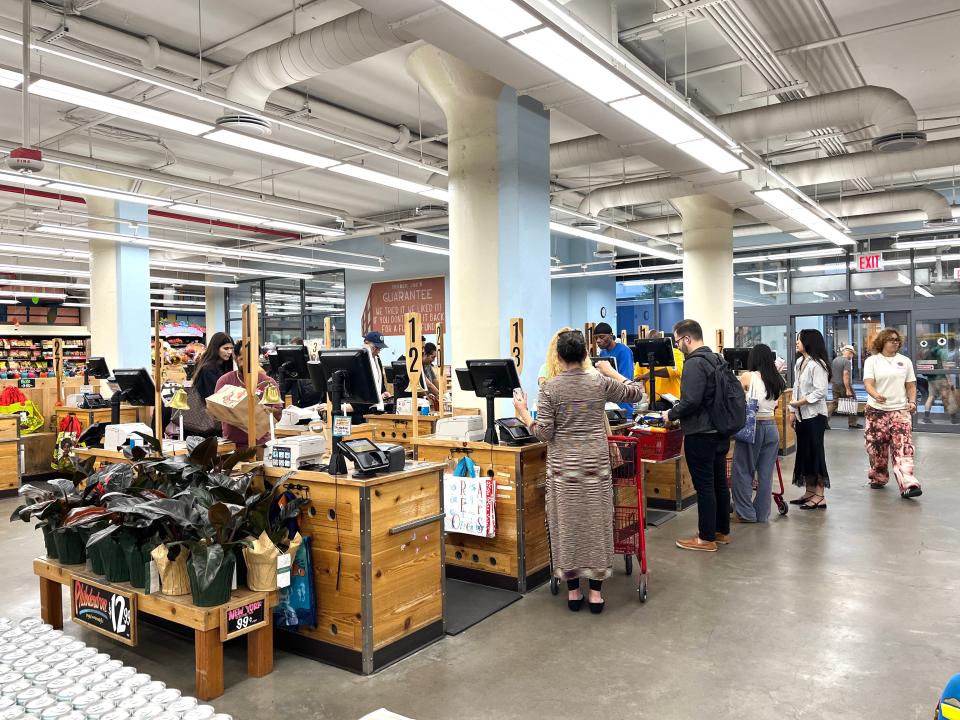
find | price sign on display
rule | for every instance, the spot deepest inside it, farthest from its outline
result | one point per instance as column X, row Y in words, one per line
column 516, row 342
column 105, row 609
column 244, row 617
column 869, row 262
column 26, row 383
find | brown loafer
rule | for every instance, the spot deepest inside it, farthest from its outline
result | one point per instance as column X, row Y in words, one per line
column 738, row 519
column 695, row 543
column 721, row 538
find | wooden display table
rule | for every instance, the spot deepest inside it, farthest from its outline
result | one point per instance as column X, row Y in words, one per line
column 668, row 484
column 788, row 436
column 9, row 453
column 104, row 457
column 204, row 621
column 356, row 432
column 518, row 558
column 377, row 549
column 128, row 414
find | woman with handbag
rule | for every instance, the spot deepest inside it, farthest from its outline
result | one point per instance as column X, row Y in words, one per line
column 570, row 419
column 233, row 433
column 217, row 360
column 892, row 386
column 808, row 416
column 763, row 386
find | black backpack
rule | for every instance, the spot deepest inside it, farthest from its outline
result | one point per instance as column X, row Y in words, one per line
column 728, row 408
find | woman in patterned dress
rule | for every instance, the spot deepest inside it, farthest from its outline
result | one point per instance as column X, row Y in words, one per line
column 570, row 419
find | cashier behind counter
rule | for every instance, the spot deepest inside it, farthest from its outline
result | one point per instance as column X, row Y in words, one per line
column 668, row 378
column 373, row 342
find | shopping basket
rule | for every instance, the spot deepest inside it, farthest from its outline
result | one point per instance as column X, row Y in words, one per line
column 658, row 444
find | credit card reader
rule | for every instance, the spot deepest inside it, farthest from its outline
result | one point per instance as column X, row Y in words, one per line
column 367, row 457
column 93, row 401
column 514, row 432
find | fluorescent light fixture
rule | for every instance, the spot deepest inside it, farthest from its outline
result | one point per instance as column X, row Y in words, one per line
column 24, row 179
column 822, row 295
column 501, row 17
column 437, row 194
column 625, row 244
column 786, row 204
column 28, row 294
column 271, row 149
column 762, row 281
column 11, row 79
column 302, row 228
column 37, row 251
column 654, row 118
column 108, row 193
column 690, row 7
column 903, row 279
column 193, row 303
column 222, row 269
column 921, row 290
column 115, row 106
column 599, row 220
column 72, row 304
column 175, row 281
column 572, row 64
column 217, row 213
column 181, row 310
column 601, row 273
column 422, row 248
column 828, row 252
column 379, row 178
column 822, row 268
column 45, row 284
column 924, row 244
column 54, row 272
column 712, row 155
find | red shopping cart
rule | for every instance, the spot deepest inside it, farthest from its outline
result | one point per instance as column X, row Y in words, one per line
column 782, row 506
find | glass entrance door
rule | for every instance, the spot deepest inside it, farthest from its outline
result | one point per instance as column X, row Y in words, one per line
column 937, row 357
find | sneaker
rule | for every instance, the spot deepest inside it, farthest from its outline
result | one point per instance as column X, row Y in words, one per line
column 695, row 543
column 912, row 492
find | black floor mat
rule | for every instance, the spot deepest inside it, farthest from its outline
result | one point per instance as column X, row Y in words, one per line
column 656, row 518
column 469, row 603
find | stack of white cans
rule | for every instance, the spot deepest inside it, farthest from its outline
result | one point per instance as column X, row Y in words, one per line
column 46, row 675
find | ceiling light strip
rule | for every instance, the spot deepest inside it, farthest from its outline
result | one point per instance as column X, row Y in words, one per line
column 222, row 270
column 625, row 244
column 786, row 204
column 54, row 272
column 176, row 282
column 433, row 249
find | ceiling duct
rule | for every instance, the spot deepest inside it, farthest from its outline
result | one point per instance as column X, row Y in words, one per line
column 636, row 193
column 336, row 44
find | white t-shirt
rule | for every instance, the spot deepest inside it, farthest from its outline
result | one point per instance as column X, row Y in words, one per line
column 890, row 376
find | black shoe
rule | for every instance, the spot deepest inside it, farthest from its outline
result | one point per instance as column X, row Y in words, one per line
column 800, row 500
column 575, row 605
column 858, row 426
column 927, row 419
column 877, row 486
column 596, row 608
column 912, row 492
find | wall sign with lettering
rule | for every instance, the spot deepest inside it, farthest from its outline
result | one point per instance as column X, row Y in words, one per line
column 105, row 609
column 243, row 617
column 388, row 302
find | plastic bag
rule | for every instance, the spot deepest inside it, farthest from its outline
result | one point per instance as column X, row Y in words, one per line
column 297, row 604
column 67, row 434
column 470, row 501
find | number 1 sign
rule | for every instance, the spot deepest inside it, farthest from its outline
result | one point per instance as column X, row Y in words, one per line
column 516, row 342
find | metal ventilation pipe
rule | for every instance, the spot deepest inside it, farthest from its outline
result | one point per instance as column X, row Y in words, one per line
column 636, row 193
column 333, row 45
column 888, row 111
column 583, row 151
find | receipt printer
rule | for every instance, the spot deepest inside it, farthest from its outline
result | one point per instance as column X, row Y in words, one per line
column 293, row 452
column 468, row 428
column 293, row 416
column 116, row 436
column 369, row 458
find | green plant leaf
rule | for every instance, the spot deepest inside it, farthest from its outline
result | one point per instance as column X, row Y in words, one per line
column 150, row 441
column 235, row 458
column 205, row 454
column 207, row 561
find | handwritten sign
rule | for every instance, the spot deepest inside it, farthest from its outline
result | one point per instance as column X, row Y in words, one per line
column 244, row 617
column 342, row 426
column 516, row 342
column 869, row 262
column 470, row 505
column 388, row 302
column 105, row 609
column 27, row 383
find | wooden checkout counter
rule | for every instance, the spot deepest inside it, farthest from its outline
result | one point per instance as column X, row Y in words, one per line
column 377, row 551
column 398, row 429
column 518, row 558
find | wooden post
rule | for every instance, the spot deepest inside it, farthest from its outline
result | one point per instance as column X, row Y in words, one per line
column 588, row 336
column 719, row 341
column 327, row 333
column 58, row 367
column 157, row 379
column 643, row 331
column 251, row 369
column 51, row 603
column 209, row 663
column 260, row 650
column 327, row 344
column 442, row 376
column 414, row 343
column 516, row 342
column 623, row 336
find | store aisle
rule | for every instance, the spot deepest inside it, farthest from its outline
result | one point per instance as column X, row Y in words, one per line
column 843, row 614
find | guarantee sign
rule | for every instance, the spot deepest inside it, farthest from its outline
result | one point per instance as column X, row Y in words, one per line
column 109, row 611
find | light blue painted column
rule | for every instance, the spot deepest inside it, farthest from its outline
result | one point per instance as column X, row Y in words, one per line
column 523, row 159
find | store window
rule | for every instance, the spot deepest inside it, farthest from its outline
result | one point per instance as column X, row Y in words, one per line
column 814, row 280
column 934, row 270
column 245, row 292
column 773, row 336
column 936, row 352
column 760, row 283
column 670, row 305
column 324, row 297
column 893, row 281
column 282, row 312
column 636, row 304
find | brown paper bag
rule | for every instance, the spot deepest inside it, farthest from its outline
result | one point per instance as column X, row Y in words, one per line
column 261, row 562
column 174, row 579
column 229, row 405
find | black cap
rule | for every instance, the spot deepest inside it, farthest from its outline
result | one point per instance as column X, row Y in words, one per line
column 603, row 329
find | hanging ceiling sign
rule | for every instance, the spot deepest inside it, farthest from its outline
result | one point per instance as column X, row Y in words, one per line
column 869, row 262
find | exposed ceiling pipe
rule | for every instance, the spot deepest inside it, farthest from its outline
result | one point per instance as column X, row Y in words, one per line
column 152, row 55
column 888, row 111
column 638, row 193
column 935, row 154
column 333, row 45
column 584, row 151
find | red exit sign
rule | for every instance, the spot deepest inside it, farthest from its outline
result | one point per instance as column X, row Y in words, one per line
column 869, row 261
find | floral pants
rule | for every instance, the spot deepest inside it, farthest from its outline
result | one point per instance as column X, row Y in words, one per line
column 890, row 433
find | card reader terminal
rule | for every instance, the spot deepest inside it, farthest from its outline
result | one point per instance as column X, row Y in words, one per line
column 514, row 432
column 367, row 457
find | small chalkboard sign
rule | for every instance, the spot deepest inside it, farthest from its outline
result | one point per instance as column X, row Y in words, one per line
column 243, row 617
column 105, row 609
column 27, row 383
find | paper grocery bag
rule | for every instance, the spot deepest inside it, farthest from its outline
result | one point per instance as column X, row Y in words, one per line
column 261, row 562
column 229, row 405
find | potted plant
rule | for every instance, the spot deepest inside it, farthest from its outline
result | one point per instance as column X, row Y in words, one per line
column 272, row 520
column 50, row 503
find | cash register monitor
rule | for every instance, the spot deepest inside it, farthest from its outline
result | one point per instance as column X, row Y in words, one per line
column 136, row 386
column 401, row 381
column 96, row 367
column 466, row 382
column 493, row 379
column 349, row 379
column 318, row 378
column 658, row 351
column 736, row 358
column 292, row 360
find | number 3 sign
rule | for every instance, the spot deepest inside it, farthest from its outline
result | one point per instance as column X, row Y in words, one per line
column 516, row 342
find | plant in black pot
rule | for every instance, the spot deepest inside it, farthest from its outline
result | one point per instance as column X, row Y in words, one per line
column 271, row 519
column 49, row 503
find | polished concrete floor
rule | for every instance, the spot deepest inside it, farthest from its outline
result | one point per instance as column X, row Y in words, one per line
column 849, row 613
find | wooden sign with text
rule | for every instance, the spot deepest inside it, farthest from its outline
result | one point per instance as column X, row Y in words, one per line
column 105, row 609
column 414, row 343
column 389, row 302
column 252, row 614
column 516, row 342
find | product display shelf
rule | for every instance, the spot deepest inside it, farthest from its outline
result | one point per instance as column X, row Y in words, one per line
column 206, row 622
column 788, row 436
column 128, row 414
column 377, row 552
column 518, row 557
column 10, row 454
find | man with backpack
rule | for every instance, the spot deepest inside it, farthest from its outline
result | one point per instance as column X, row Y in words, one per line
column 712, row 408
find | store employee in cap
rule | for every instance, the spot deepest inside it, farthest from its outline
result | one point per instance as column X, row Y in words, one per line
column 373, row 342
column 609, row 347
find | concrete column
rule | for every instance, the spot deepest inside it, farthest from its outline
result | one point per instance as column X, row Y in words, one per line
column 215, row 311
column 499, row 213
column 707, row 224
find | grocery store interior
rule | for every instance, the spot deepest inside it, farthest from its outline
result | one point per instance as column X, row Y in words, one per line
column 429, row 184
